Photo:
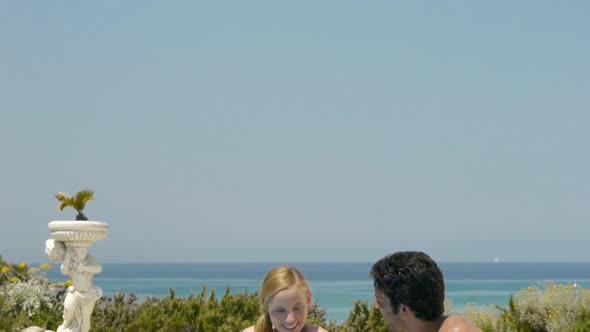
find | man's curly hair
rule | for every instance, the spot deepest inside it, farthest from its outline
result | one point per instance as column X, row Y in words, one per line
column 413, row 279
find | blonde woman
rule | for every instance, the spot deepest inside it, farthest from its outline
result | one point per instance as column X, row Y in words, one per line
column 285, row 299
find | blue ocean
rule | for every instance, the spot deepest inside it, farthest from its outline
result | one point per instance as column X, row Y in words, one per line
column 334, row 285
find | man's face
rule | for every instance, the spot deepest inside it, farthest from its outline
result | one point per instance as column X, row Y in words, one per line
column 394, row 321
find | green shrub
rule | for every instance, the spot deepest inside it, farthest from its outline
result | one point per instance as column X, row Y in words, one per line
column 27, row 298
column 33, row 301
column 548, row 307
column 362, row 317
column 582, row 323
column 202, row 312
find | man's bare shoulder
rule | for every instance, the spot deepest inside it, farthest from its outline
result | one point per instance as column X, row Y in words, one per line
column 458, row 323
column 249, row 329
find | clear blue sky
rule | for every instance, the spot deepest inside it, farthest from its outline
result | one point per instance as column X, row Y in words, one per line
column 290, row 131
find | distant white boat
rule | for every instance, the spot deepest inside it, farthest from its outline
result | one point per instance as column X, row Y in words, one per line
column 496, row 259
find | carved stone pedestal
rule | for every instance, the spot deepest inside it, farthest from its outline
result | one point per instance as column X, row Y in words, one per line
column 68, row 244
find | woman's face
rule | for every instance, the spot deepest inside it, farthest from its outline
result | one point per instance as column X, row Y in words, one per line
column 288, row 309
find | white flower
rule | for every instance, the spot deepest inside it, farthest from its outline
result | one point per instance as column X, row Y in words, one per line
column 29, row 296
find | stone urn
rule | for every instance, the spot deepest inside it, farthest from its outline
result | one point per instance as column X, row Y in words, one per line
column 69, row 243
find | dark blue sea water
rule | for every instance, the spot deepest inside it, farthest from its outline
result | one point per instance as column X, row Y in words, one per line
column 334, row 285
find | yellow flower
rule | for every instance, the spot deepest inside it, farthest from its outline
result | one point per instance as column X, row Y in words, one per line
column 68, row 283
column 5, row 269
column 14, row 279
column 59, row 284
column 22, row 265
column 45, row 266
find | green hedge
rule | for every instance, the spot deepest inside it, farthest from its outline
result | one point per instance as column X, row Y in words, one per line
column 205, row 311
column 28, row 299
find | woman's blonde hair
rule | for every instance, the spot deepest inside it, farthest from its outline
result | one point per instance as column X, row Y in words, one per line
column 276, row 280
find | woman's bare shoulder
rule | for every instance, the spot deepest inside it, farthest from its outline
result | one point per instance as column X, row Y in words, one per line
column 313, row 328
column 249, row 329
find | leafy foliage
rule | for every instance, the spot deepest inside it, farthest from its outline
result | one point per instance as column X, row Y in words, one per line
column 362, row 317
column 33, row 301
column 582, row 323
column 77, row 202
column 202, row 312
column 27, row 298
column 548, row 307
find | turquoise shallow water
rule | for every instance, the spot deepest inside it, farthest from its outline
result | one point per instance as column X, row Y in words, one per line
column 334, row 285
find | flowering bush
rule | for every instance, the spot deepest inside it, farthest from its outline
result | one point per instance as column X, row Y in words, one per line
column 485, row 317
column 546, row 307
column 13, row 273
column 29, row 296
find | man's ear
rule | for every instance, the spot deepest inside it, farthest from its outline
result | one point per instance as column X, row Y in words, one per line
column 404, row 310
column 309, row 299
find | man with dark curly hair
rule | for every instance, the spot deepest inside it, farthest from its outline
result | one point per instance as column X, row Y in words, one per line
column 410, row 293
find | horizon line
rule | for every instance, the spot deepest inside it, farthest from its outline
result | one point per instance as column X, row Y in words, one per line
column 337, row 262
